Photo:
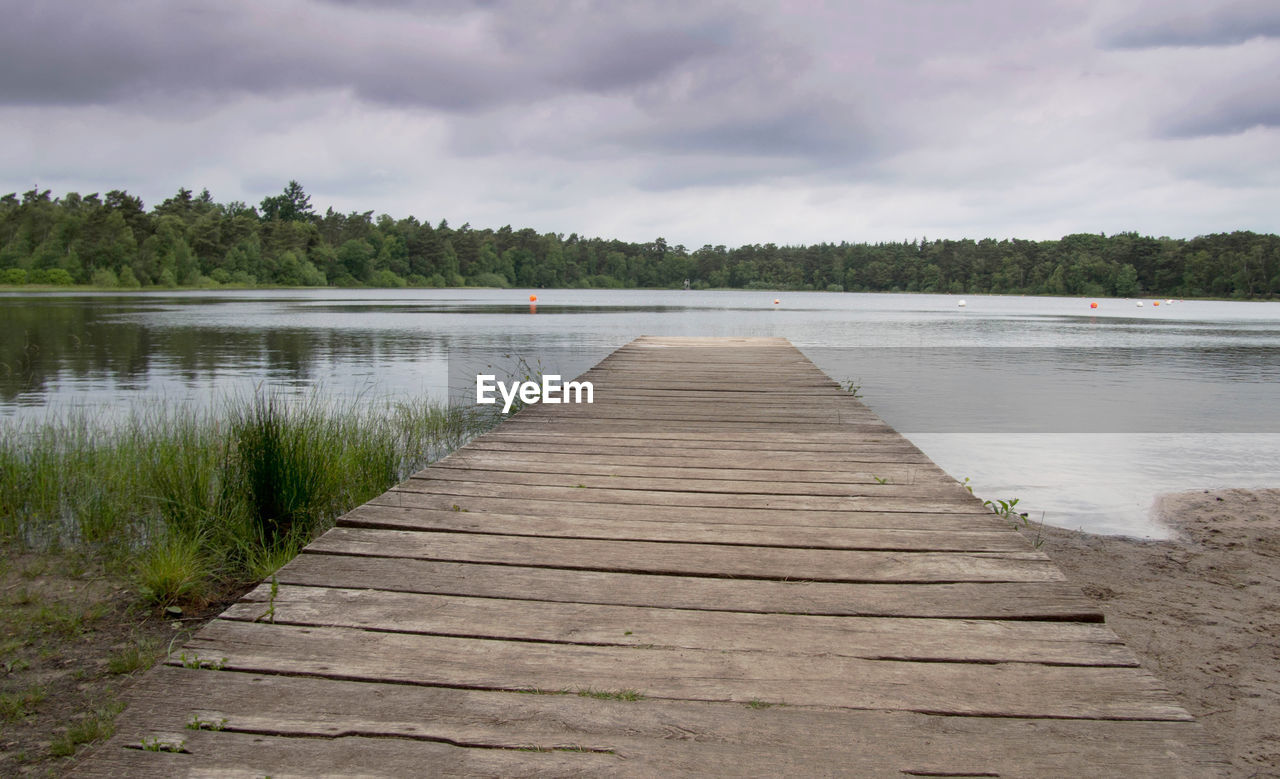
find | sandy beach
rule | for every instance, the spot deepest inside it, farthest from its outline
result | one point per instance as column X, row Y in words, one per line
column 1202, row 610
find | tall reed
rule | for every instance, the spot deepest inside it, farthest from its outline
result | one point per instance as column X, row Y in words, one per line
column 192, row 500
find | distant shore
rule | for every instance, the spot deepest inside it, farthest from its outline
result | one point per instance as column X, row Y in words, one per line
column 236, row 287
column 1202, row 611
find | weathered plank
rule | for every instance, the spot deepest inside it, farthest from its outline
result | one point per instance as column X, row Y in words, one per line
column 1057, row 601
column 620, row 467
column 942, row 521
column 873, row 638
column 866, row 489
column 719, row 560
column 647, row 737
column 816, row 455
column 957, row 501
column 670, row 528
column 968, row 689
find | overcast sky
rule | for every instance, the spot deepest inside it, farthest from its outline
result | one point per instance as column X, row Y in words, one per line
column 699, row 122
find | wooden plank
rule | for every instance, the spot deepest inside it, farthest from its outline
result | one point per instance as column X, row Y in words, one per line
column 968, row 689
column 668, row 528
column 873, row 638
column 829, row 440
column 693, row 559
column 955, row 520
column 740, row 467
column 652, row 737
column 618, row 468
column 257, row 754
column 430, row 478
column 960, row 501
column 746, row 454
column 1059, row 601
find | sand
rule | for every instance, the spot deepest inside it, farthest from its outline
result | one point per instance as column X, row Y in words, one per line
column 1202, row 611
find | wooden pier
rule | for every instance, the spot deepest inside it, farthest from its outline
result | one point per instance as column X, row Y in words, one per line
column 724, row 565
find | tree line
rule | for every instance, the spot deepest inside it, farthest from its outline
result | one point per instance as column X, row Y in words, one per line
column 189, row 240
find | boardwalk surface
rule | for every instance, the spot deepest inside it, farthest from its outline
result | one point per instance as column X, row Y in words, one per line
column 786, row 583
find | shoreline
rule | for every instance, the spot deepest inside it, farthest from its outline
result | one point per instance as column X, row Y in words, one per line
column 238, row 287
column 1201, row 610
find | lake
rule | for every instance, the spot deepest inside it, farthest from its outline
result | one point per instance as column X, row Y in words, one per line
column 1083, row 414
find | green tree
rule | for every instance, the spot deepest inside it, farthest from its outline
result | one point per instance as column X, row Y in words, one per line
column 291, row 205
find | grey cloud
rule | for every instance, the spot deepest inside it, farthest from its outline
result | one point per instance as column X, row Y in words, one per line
column 1201, row 24
column 390, row 53
column 1256, row 105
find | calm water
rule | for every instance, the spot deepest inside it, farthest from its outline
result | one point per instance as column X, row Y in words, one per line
column 1084, row 414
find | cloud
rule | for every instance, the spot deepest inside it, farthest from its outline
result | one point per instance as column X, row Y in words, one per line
column 1165, row 23
column 455, row 57
column 1246, row 107
column 701, row 121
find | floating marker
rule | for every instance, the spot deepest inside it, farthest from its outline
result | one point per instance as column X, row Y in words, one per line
column 1155, row 302
column 961, row 304
column 1168, row 302
column 1093, row 305
column 776, row 301
column 533, row 298
column 1139, row 304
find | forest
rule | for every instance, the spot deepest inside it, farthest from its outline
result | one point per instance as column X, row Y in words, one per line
column 189, row 240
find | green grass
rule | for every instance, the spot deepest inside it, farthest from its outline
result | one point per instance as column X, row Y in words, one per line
column 97, row 725
column 15, row 706
column 187, row 502
column 138, row 656
column 612, row 695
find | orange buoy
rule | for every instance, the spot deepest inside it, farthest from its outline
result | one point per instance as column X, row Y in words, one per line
column 776, row 301
column 533, row 298
column 1093, row 305
column 1155, row 302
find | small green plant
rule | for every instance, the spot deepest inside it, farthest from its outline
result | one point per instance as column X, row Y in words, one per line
column 270, row 614
column 158, row 744
column 613, row 695
column 138, row 656
column 97, row 725
column 195, row 661
column 756, row 703
column 967, row 485
column 879, row 480
column 197, row 723
column 850, row 386
column 1005, row 509
column 15, row 706
column 59, row 619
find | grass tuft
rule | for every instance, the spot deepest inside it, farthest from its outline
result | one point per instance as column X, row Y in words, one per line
column 15, row 706
column 613, row 695
column 174, row 571
column 95, row 726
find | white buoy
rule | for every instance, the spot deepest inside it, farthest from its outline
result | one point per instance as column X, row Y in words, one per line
column 961, row 304
column 1169, row 302
column 1139, row 304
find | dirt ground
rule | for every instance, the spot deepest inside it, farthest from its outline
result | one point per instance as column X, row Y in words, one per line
column 72, row 640
column 1201, row 611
